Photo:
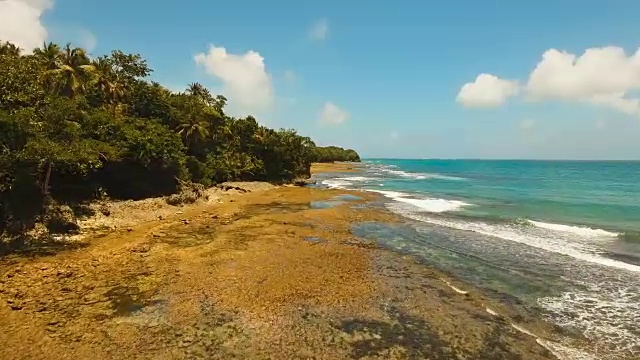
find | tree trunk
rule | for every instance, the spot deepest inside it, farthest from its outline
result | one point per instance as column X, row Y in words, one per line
column 45, row 187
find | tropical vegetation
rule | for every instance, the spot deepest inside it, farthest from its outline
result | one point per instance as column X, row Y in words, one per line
column 334, row 153
column 75, row 128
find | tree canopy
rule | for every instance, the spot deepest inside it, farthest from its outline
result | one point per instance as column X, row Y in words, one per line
column 334, row 153
column 73, row 127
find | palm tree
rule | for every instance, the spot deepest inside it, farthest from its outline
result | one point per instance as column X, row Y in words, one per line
column 205, row 106
column 219, row 103
column 115, row 93
column 74, row 72
column 200, row 92
column 223, row 133
column 262, row 135
column 107, row 82
column 69, row 78
column 193, row 130
column 103, row 68
column 50, row 55
column 9, row 49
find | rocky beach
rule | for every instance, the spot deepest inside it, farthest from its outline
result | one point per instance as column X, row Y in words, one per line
column 255, row 272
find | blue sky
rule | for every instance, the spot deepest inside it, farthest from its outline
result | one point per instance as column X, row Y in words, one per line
column 387, row 78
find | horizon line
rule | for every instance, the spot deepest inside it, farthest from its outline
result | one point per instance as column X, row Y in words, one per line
column 501, row 159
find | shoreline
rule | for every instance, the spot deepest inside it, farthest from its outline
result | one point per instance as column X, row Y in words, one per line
column 268, row 273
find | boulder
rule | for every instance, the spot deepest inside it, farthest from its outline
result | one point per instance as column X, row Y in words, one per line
column 303, row 182
column 60, row 219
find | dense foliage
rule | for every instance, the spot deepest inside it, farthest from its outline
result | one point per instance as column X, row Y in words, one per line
column 74, row 128
column 334, row 153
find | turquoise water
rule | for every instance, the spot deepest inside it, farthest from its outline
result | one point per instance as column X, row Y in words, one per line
column 601, row 194
column 559, row 236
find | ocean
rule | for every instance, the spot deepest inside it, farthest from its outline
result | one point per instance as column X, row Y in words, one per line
column 562, row 237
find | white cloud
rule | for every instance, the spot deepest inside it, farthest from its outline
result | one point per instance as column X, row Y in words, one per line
column 244, row 77
column 319, row 30
column 20, row 22
column 527, row 124
column 487, row 91
column 332, row 115
column 617, row 101
column 602, row 76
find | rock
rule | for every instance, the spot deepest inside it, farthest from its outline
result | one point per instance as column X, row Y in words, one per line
column 64, row 274
column 43, row 268
column 129, row 229
column 104, row 209
column 91, row 299
column 303, row 182
column 144, row 248
column 53, row 322
column 185, row 221
column 214, row 216
column 60, row 219
column 16, row 307
column 39, row 230
column 179, row 212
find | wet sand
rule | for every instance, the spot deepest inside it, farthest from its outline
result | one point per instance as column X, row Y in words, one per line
column 261, row 275
column 335, row 167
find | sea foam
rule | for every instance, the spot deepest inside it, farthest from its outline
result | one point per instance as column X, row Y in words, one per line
column 434, row 205
column 578, row 230
column 420, row 176
column 553, row 242
column 608, row 311
column 336, row 183
column 356, row 178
